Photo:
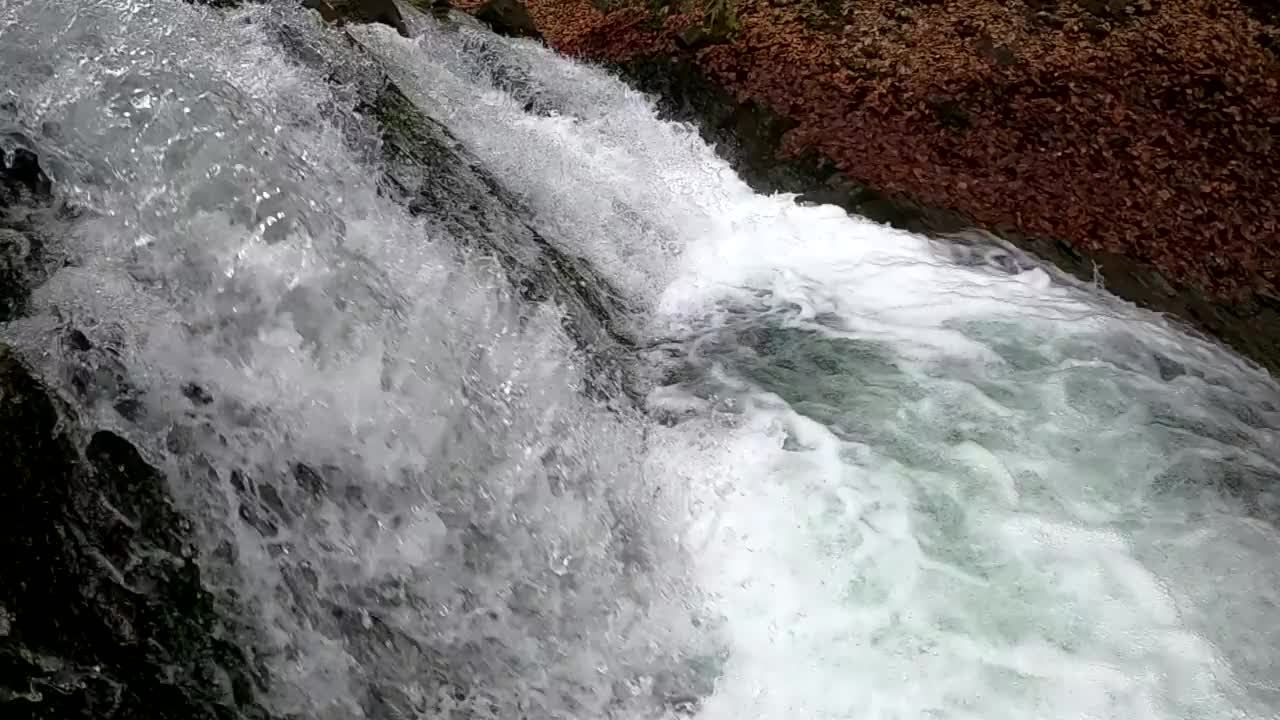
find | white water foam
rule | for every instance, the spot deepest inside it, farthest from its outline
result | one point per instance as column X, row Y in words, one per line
column 945, row 492
column 395, row 471
column 892, row 487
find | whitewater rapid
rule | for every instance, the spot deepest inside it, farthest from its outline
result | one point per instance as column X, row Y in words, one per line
column 864, row 480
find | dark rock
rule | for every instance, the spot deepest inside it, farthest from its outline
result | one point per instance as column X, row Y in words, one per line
column 310, row 480
column 693, row 36
column 327, row 11
column 1266, row 11
column 196, row 394
column 79, row 341
column 949, row 111
column 439, row 9
column 999, row 54
column 15, row 256
column 24, row 169
column 95, row 372
column 129, row 408
column 25, row 196
column 508, row 17
column 965, row 28
column 22, row 180
column 1168, row 368
column 1049, row 19
column 360, row 11
column 1113, row 9
column 700, row 35
column 434, row 177
column 1097, row 29
column 104, row 615
column 1270, row 43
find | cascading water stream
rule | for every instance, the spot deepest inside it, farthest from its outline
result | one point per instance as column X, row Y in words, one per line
column 864, row 480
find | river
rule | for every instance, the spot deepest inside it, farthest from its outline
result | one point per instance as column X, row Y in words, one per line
column 733, row 456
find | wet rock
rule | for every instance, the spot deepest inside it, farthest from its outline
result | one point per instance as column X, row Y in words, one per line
column 310, row 480
column 385, row 12
column 441, row 10
column 1167, row 368
column 22, row 170
column 327, row 11
column 25, row 197
column 432, row 173
column 105, row 614
column 94, row 370
column 487, row 57
column 458, row 194
column 79, row 341
column 744, row 133
column 197, row 394
column 508, row 17
column 15, row 255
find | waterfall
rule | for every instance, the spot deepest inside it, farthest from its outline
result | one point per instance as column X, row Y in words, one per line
column 488, row 393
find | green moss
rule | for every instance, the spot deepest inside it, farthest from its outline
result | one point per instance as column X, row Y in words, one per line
column 721, row 18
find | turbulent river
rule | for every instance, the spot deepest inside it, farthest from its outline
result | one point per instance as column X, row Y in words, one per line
column 562, row 420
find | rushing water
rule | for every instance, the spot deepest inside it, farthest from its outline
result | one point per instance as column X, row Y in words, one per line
column 866, row 476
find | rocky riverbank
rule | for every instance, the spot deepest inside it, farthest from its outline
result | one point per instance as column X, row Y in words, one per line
column 1136, row 142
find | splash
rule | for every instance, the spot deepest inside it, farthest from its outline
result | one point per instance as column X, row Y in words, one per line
column 872, row 475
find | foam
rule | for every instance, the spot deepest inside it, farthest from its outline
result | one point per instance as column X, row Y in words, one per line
column 960, row 528
column 888, row 486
